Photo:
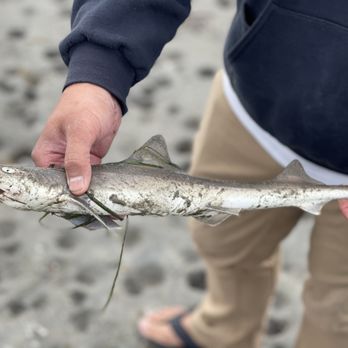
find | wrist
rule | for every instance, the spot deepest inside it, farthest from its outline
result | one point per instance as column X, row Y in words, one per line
column 101, row 66
column 88, row 93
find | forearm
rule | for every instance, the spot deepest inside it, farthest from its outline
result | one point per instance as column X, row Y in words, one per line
column 114, row 44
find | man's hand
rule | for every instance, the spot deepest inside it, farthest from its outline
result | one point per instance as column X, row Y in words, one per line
column 79, row 133
column 343, row 203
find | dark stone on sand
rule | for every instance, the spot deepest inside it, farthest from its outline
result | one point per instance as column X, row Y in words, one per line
column 16, row 307
column 11, row 71
column 206, row 72
column 163, row 82
column 189, row 255
column 78, row 297
column 67, row 240
column 149, row 91
column 174, row 55
column 143, row 101
column 81, row 320
column 10, row 249
column 133, row 236
column 86, row 276
column 276, row 327
column 39, row 302
column 132, row 286
column 192, row 123
column 52, row 53
column 6, row 87
column 7, row 228
column 197, row 279
column 30, row 95
column 16, row 33
column 184, row 146
column 224, row 3
column 149, row 274
column 173, row 110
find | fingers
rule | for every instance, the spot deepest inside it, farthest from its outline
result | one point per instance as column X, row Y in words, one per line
column 39, row 158
column 343, row 203
column 42, row 157
column 48, row 149
column 78, row 160
column 79, row 133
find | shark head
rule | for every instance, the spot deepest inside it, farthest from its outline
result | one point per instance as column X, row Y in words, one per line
column 28, row 189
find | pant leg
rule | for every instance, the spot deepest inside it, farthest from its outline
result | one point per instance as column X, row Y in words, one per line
column 325, row 323
column 241, row 253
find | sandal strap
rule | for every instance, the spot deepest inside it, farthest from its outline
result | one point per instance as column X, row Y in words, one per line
column 182, row 333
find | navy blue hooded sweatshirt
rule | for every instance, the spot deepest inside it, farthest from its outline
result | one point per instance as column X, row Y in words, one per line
column 286, row 59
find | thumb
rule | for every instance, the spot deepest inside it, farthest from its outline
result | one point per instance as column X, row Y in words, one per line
column 78, row 163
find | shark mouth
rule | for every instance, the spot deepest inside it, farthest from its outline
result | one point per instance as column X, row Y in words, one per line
column 3, row 195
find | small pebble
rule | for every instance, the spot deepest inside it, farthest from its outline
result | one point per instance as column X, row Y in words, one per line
column 16, row 307
column 197, row 280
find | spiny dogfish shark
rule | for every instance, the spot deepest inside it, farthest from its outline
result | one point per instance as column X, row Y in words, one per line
column 148, row 183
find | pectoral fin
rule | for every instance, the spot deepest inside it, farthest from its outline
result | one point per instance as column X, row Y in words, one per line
column 216, row 215
column 79, row 201
column 213, row 220
column 91, row 223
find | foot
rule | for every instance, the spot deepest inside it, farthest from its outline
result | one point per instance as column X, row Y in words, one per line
column 155, row 326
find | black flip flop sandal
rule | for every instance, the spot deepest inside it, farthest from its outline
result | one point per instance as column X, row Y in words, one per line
column 180, row 332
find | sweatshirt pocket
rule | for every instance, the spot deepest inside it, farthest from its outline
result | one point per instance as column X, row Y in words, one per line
column 290, row 72
column 244, row 28
column 274, row 23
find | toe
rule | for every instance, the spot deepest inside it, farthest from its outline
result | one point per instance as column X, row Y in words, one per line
column 158, row 332
column 165, row 314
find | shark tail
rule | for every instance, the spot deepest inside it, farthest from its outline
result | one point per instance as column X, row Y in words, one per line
column 293, row 173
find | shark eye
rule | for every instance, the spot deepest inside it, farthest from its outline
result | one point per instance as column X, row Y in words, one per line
column 8, row 170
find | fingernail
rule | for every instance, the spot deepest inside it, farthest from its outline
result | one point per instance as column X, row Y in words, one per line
column 76, row 183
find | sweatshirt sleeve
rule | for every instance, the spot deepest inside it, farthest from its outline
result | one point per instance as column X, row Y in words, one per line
column 114, row 43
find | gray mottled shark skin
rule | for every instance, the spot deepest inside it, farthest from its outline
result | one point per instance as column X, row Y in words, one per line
column 148, row 183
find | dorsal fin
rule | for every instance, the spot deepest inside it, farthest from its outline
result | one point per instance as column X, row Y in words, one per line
column 294, row 172
column 153, row 153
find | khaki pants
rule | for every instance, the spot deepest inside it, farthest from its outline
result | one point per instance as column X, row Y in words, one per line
column 241, row 254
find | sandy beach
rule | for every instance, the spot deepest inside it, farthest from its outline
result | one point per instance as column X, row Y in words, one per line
column 54, row 280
